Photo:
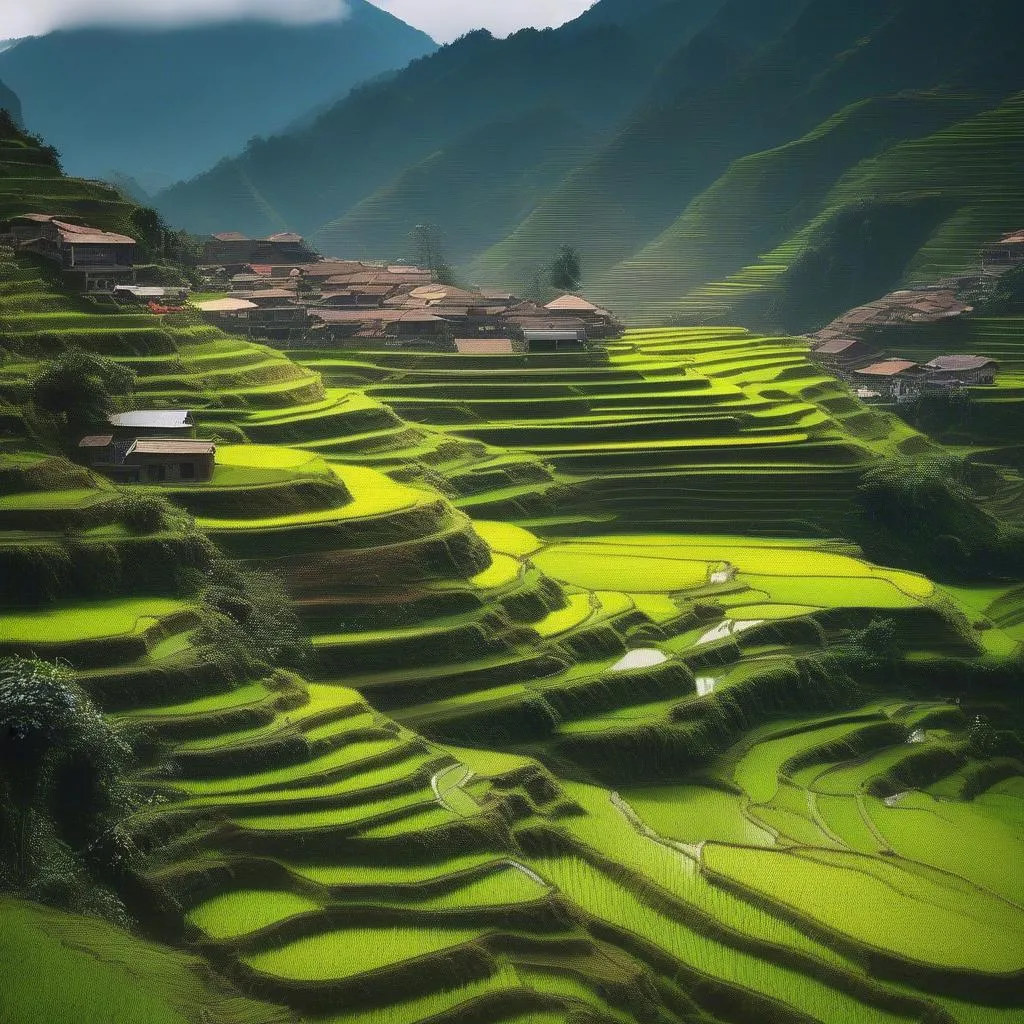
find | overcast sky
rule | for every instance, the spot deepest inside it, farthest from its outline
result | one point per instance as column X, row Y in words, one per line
column 443, row 19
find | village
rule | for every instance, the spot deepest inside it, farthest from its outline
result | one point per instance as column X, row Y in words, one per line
column 280, row 290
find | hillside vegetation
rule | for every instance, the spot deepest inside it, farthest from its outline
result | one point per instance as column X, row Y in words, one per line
column 597, row 721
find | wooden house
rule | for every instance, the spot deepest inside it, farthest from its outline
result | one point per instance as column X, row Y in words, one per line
column 898, row 379
column 1005, row 254
column 166, row 460
column 952, row 371
column 844, row 355
column 232, row 247
column 90, row 259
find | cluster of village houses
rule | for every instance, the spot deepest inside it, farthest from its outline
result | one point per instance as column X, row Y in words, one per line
column 847, row 348
column 851, row 346
column 277, row 288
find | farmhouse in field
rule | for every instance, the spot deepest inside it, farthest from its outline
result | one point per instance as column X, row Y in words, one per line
column 91, row 259
column 231, row 247
column 165, row 460
column 1005, row 254
column 961, row 370
column 150, row 446
column 844, row 355
column 899, row 379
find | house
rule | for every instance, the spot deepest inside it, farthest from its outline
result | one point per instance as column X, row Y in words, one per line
column 97, row 449
column 90, row 258
column 599, row 322
column 165, row 460
column 949, row 371
column 555, row 340
column 843, row 355
column 1005, row 254
column 899, row 379
column 175, row 423
column 231, row 247
column 485, row 346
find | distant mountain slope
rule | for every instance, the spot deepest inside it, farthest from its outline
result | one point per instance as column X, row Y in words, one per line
column 815, row 58
column 9, row 101
column 916, row 213
column 478, row 187
column 162, row 104
column 764, row 198
column 311, row 177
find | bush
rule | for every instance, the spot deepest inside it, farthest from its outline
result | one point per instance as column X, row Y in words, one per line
column 250, row 615
column 144, row 513
column 79, row 389
column 63, row 789
column 928, row 515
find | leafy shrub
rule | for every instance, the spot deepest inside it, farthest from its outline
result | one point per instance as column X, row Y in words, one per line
column 927, row 514
column 144, row 513
column 250, row 615
column 79, row 388
column 63, row 789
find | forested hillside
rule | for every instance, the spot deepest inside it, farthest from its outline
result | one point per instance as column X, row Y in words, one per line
column 173, row 101
column 10, row 102
column 675, row 144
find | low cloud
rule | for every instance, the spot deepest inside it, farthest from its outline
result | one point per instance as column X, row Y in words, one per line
column 37, row 17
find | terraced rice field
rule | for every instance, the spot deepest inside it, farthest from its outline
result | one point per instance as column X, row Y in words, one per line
column 474, row 804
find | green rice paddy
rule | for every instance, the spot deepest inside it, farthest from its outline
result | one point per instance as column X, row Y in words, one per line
column 465, row 808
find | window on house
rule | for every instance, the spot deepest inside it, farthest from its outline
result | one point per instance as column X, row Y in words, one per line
column 188, row 471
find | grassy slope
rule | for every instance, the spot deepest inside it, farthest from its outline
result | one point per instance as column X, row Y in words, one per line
column 60, row 967
column 953, row 191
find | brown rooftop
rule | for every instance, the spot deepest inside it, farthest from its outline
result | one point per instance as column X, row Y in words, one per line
column 837, row 346
column 960, row 363
column 571, row 303
column 889, row 368
column 484, row 346
column 1015, row 238
column 96, row 441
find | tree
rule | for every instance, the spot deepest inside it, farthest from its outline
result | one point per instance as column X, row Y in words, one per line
column 567, row 269
column 63, row 788
column 79, row 389
column 427, row 239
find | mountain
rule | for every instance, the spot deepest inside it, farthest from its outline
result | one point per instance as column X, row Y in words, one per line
column 181, row 99
column 9, row 101
column 593, row 73
column 699, row 153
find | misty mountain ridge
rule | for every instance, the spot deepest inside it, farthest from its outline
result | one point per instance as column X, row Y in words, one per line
column 173, row 101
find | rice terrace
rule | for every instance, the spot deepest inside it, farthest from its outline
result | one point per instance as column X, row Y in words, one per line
column 536, row 536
